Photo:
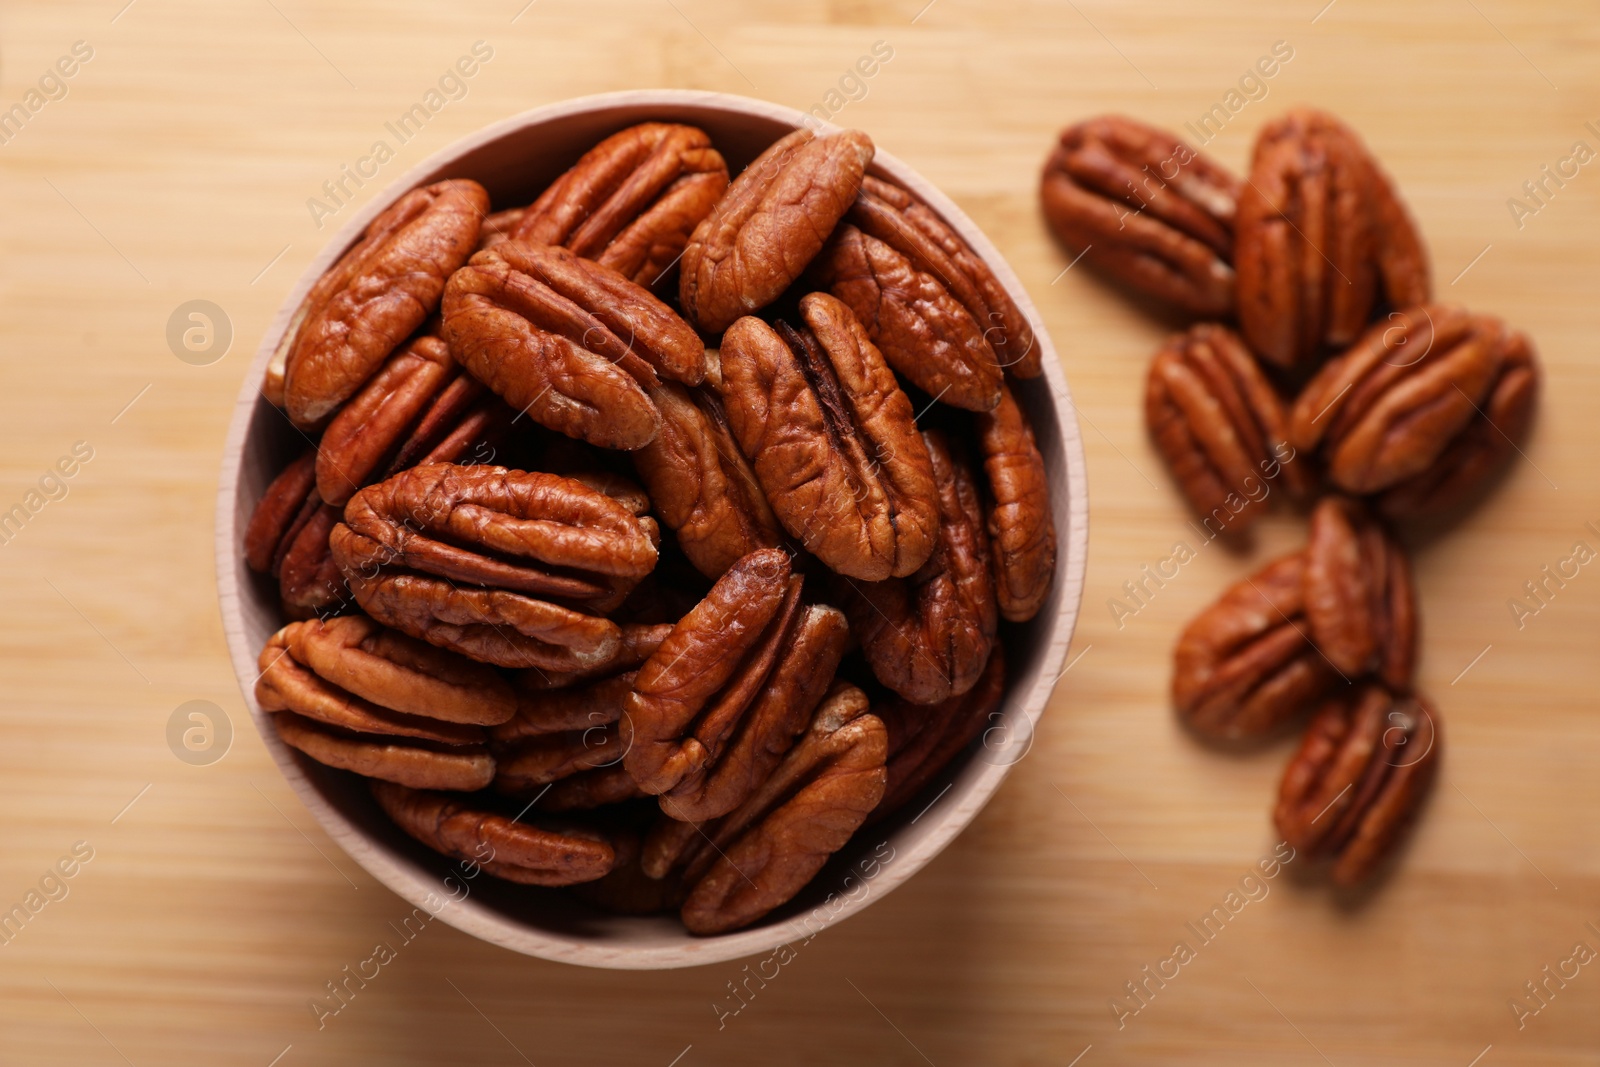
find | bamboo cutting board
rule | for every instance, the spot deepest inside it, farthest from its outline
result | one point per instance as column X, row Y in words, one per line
column 191, row 154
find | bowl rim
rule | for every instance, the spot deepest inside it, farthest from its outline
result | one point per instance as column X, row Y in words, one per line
column 470, row 915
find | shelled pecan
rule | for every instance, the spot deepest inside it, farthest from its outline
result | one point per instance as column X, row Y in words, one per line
column 287, row 538
column 1145, row 208
column 1360, row 606
column 770, row 224
column 832, row 439
column 1021, row 528
column 924, row 739
column 1355, row 784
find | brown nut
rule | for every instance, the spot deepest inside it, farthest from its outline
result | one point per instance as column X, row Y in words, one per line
column 729, row 690
column 924, row 739
column 632, row 201
column 1360, row 606
column 512, row 537
column 570, row 342
column 1220, row 426
column 416, row 762
column 638, row 643
column 1359, row 776
column 763, row 853
column 1246, row 665
column 833, row 440
column 287, row 537
column 923, row 331
column 1022, row 530
column 928, row 636
column 1146, row 209
column 769, row 225
column 377, row 295
column 506, row 848
column 1425, row 405
column 895, row 216
column 701, row 484
column 1321, row 236
column 558, row 734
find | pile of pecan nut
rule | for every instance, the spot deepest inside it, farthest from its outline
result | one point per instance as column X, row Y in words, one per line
column 1343, row 384
column 654, row 537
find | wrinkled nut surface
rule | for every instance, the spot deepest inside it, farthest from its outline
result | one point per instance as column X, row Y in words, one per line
column 287, row 537
column 632, row 201
column 1355, row 784
column 638, row 642
column 1246, row 665
column 1146, row 209
column 700, row 483
column 506, row 848
column 928, row 636
column 769, row 225
column 1220, row 426
column 832, row 439
column 923, row 739
column 572, row 343
column 1361, row 608
column 508, row 538
column 1426, row 404
column 923, row 331
column 416, row 762
column 377, row 295
column 1021, row 528
column 778, row 839
column 895, row 216
column 1321, row 236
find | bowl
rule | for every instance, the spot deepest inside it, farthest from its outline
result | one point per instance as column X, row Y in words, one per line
column 515, row 160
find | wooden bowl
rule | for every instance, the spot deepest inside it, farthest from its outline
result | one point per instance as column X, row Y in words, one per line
column 515, row 160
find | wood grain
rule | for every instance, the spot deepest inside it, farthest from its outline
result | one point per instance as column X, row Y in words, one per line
column 178, row 167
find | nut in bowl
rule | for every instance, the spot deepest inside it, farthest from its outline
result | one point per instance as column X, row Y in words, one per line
column 558, row 480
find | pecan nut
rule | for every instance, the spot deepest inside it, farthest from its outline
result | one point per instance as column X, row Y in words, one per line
column 1220, row 426
column 924, row 739
column 377, row 295
column 1146, row 209
column 1022, row 530
column 506, row 848
column 569, row 341
column 632, row 201
column 512, row 537
column 1246, row 665
column 1321, row 236
column 770, row 224
column 1360, row 606
column 760, row 855
column 287, row 538
column 729, row 690
column 1360, row 774
column 833, row 440
column 562, row 748
column 923, row 331
column 1390, row 413
column 702, row 486
column 927, row 637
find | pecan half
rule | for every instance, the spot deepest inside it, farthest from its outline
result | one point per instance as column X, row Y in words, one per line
column 569, row 341
column 638, row 643
column 928, row 636
column 287, row 537
column 1022, row 530
column 895, row 216
column 1356, row 782
column 632, row 201
column 1390, row 412
column 924, row 739
column 510, row 537
column 1360, row 606
column 377, row 295
column 1245, row 665
column 702, row 486
column 1220, row 426
column 1321, row 235
column 1146, row 209
column 763, row 853
column 769, row 225
column 506, row 848
column 567, row 738
column 727, row 692
column 923, row 331
column 417, row 762
column 833, row 440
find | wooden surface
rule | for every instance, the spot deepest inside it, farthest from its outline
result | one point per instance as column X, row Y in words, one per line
column 213, row 911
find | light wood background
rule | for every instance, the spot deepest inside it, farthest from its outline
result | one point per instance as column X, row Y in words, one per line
column 178, row 168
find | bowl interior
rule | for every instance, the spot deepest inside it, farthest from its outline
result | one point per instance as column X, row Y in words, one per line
column 515, row 160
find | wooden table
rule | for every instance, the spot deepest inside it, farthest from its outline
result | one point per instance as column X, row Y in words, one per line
column 178, row 167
